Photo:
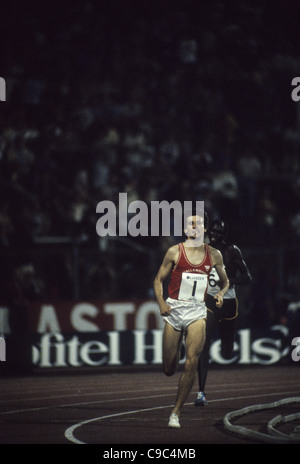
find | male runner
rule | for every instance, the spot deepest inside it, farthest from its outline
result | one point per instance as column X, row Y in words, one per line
column 184, row 311
column 225, row 318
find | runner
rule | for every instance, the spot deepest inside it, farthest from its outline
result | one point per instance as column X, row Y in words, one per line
column 184, row 311
column 225, row 319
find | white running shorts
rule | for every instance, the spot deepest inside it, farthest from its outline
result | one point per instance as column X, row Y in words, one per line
column 184, row 313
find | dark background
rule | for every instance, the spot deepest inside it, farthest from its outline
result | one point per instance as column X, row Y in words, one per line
column 164, row 100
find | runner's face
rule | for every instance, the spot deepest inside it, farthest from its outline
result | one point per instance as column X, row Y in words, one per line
column 195, row 227
column 216, row 234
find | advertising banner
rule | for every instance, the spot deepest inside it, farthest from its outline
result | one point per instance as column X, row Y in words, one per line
column 87, row 316
column 144, row 347
column 120, row 333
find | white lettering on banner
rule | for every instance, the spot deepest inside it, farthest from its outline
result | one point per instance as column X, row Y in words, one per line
column 48, row 321
column 119, row 311
column 245, row 344
column 45, row 350
column 114, row 351
column 296, row 351
column 259, row 348
column 81, row 315
column 243, row 349
column 265, row 351
column 142, row 347
column 55, row 352
column 4, row 322
column 215, row 353
column 143, row 313
column 87, row 349
column 2, row 89
column 73, row 348
column 2, row 349
column 77, row 317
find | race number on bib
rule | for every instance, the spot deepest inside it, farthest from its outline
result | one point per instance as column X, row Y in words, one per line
column 213, row 282
column 192, row 287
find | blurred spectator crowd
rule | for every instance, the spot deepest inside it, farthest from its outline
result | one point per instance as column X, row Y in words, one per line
column 164, row 101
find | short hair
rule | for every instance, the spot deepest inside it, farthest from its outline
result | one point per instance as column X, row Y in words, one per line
column 220, row 223
column 195, row 212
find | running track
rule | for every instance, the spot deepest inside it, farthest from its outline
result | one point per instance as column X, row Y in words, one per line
column 132, row 406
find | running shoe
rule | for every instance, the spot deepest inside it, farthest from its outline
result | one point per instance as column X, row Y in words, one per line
column 174, row 421
column 201, row 400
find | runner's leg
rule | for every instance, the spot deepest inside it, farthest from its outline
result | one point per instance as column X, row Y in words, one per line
column 204, row 357
column 194, row 342
column 172, row 340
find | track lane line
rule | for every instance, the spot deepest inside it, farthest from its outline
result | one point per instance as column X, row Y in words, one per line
column 69, row 432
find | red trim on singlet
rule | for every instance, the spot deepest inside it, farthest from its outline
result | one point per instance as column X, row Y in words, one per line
column 184, row 265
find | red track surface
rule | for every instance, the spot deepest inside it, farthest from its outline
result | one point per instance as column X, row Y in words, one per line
column 132, row 406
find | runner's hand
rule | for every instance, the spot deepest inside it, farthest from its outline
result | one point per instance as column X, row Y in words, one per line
column 165, row 309
column 219, row 298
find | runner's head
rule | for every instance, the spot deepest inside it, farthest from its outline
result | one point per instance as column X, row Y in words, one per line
column 195, row 224
column 217, row 232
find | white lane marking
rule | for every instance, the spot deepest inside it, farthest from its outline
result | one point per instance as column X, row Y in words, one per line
column 69, row 433
column 217, row 388
column 38, row 408
column 86, row 403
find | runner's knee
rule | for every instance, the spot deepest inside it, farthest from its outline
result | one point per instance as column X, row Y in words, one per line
column 191, row 363
column 170, row 367
column 169, row 371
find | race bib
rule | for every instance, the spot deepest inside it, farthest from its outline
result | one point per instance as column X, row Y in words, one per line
column 192, row 286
